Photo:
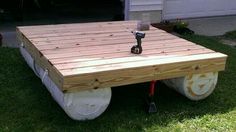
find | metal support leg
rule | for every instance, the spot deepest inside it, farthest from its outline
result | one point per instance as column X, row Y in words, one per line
column 151, row 103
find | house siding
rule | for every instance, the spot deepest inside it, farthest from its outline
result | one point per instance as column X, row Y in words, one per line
column 173, row 9
column 146, row 5
column 136, row 9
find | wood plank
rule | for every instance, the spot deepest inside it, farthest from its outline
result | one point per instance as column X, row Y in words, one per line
column 98, row 37
column 82, row 36
column 148, row 50
column 43, row 62
column 65, row 34
column 62, row 45
column 80, row 29
column 81, row 33
column 118, row 55
column 53, row 26
column 100, row 62
column 117, row 47
column 102, row 39
column 117, row 75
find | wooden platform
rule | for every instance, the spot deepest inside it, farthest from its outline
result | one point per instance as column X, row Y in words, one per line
column 97, row 55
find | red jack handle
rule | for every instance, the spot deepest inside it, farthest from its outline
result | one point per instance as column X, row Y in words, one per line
column 152, row 88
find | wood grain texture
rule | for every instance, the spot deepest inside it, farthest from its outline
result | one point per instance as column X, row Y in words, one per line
column 136, row 72
column 97, row 55
column 43, row 62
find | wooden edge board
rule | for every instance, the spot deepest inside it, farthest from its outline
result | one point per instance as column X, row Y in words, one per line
column 73, row 33
column 81, row 29
column 143, row 72
column 77, row 28
column 67, row 34
column 74, row 24
column 145, row 63
column 78, row 33
column 39, row 59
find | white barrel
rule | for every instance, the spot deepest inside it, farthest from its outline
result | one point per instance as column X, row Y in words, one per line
column 83, row 105
column 194, row 87
column 29, row 60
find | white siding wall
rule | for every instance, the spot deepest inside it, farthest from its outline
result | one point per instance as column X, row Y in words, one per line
column 145, row 5
column 197, row 8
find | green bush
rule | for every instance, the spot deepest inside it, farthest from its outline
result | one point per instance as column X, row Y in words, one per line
column 230, row 35
column 179, row 24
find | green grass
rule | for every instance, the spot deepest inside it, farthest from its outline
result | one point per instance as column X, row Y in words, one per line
column 230, row 35
column 25, row 104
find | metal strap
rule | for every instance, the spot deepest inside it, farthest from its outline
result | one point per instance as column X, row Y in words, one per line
column 44, row 75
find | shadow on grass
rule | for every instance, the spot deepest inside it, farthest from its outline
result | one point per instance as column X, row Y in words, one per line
column 26, row 104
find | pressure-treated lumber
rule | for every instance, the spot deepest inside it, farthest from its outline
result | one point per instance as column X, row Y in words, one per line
column 141, row 71
column 97, row 55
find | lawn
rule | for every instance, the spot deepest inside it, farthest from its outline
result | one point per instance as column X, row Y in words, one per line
column 26, row 105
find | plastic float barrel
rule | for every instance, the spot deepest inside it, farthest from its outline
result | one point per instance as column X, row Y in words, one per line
column 196, row 86
column 83, row 105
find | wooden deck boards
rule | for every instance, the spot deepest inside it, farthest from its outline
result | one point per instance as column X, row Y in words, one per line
column 97, row 55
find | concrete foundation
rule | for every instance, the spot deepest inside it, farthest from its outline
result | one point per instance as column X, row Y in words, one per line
column 152, row 16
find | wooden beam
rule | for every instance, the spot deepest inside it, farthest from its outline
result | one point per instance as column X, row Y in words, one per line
column 142, row 71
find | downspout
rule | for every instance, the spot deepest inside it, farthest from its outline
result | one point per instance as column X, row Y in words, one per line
column 127, row 9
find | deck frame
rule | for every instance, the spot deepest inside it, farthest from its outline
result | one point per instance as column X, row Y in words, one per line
column 110, row 72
